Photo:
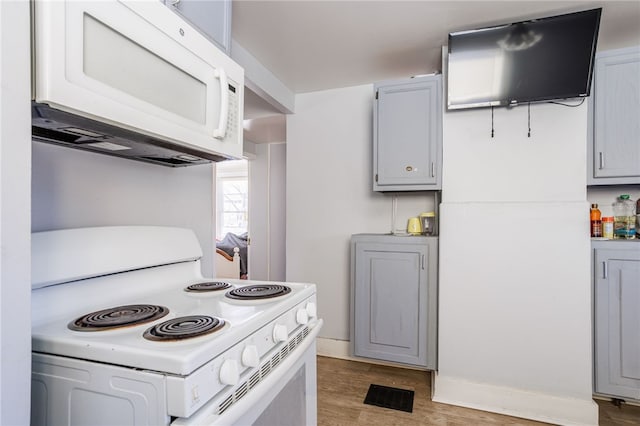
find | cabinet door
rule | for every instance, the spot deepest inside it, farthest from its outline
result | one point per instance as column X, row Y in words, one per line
column 391, row 302
column 407, row 135
column 212, row 18
column 617, row 323
column 616, row 108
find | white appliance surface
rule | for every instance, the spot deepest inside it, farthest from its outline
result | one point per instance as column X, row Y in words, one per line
column 90, row 252
column 91, row 83
column 126, row 346
column 91, row 373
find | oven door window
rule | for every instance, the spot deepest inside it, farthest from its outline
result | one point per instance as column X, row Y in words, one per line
column 289, row 406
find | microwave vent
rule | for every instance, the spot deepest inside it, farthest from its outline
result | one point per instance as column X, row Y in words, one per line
column 57, row 127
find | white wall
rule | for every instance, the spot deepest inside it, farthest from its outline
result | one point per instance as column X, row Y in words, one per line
column 258, row 213
column 73, row 188
column 262, row 81
column 267, row 212
column 277, row 211
column 330, row 197
column 15, row 175
column 515, row 297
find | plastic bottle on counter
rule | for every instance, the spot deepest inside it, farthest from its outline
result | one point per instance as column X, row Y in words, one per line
column 607, row 227
column 596, row 223
column 624, row 226
column 638, row 218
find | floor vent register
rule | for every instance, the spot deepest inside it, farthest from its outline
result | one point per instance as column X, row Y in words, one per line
column 394, row 398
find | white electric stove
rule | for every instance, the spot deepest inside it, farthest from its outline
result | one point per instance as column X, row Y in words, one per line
column 125, row 330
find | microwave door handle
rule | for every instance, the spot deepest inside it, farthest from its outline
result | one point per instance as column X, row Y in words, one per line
column 224, row 104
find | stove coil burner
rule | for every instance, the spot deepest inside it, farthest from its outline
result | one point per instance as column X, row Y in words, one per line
column 254, row 292
column 183, row 328
column 206, row 287
column 120, row 316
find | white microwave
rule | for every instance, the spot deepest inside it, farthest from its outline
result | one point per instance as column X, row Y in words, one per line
column 133, row 79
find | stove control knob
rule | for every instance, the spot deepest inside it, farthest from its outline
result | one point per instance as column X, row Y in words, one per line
column 280, row 333
column 312, row 310
column 250, row 356
column 229, row 373
column 302, row 317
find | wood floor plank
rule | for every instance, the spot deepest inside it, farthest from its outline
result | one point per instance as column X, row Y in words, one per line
column 343, row 385
column 611, row 415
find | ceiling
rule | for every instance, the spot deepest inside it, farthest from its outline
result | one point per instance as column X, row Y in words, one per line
column 312, row 45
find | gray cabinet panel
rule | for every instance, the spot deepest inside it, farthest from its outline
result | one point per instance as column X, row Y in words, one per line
column 617, row 320
column 408, row 134
column 628, row 281
column 394, row 298
column 615, row 106
column 212, row 18
column 393, row 311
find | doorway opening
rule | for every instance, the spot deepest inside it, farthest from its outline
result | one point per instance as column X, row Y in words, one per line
column 232, row 210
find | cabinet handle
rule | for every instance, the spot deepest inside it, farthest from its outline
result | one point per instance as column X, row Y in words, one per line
column 433, row 169
column 422, row 262
column 601, row 160
column 605, row 272
column 175, row 3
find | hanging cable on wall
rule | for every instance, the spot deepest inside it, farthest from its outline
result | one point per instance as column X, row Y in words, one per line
column 492, row 129
column 529, row 114
column 568, row 105
column 529, row 119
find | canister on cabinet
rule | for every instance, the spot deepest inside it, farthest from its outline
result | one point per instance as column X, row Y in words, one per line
column 428, row 222
column 413, row 226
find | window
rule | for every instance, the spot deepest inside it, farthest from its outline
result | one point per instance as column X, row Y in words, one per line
column 232, row 198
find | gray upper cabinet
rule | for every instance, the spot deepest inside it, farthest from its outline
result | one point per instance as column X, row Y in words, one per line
column 614, row 148
column 407, row 134
column 394, row 298
column 212, row 18
column 617, row 319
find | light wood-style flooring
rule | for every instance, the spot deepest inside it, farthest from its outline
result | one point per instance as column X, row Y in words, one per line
column 343, row 385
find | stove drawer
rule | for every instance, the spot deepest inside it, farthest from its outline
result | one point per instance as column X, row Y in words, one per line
column 67, row 391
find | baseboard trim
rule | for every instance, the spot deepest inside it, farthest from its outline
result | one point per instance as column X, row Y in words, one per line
column 627, row 401
column 515, row 402
column 341, row 349
column 334, row 348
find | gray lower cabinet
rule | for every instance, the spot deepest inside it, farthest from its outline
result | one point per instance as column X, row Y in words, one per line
column 407, row 134
column 212, row 18
column 394, row 298
column 614, row 134
column 617, row 318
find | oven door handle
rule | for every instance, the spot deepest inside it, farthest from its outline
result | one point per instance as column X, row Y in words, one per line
column 206, row 416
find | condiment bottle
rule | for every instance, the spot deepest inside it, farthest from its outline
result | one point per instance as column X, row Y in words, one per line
column 596, row 223
column 607, row 227
column 638, row 218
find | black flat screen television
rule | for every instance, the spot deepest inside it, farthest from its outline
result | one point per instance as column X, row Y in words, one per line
column 537, row 60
